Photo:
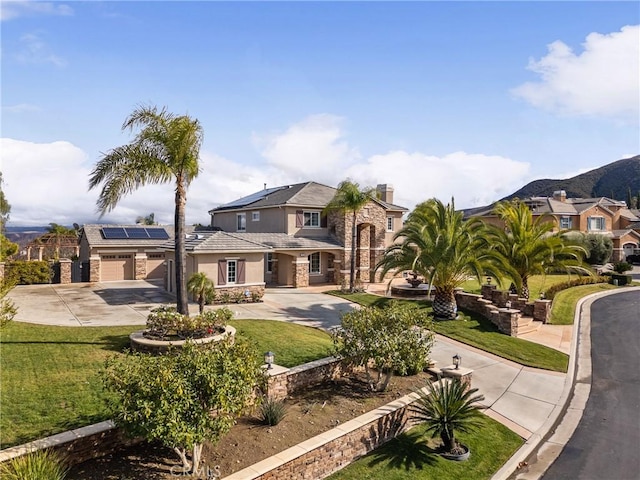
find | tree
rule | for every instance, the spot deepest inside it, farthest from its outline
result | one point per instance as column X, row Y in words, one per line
column 438, row 244
column 185, row 397
column 8, row 310
column 166, row 148
column 148, row 220
column 5, row 207
column 202, row 287
column 349, row 198
column 58, row 236
column 7, row 248
column 531, row 247
column 398, row 337
column 446, row 407
column 599, row 248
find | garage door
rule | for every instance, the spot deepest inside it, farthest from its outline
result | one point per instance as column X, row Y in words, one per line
column 116, row 267
column 155, row 265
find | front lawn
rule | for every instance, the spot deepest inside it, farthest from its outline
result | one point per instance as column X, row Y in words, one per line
column 564, row 303
column 49, row 374
column 409, row 457
column 479, row 332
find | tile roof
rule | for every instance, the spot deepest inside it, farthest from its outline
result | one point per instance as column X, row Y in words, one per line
column 93, row 233
column 200, row 242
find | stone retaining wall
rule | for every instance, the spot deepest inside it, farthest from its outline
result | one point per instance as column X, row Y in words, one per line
column 288, row 381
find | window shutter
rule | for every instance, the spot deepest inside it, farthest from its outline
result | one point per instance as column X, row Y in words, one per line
column 222, row 272
column 241, row 271
column 299, row 218
column 323, row 220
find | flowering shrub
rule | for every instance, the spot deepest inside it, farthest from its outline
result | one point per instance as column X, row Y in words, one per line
column 165, row 321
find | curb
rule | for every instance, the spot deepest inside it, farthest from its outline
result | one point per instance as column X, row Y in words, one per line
column 545, row 445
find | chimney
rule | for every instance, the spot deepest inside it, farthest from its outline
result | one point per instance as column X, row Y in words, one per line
column 386, row 192
column 560, row 195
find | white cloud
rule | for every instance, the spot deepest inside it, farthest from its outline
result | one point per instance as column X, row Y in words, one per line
column 20, row 108
column 602, row 80
column 10, row 9
column 34, row 50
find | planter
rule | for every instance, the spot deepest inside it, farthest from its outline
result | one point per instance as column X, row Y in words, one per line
column 462, row 457
column 139, row 343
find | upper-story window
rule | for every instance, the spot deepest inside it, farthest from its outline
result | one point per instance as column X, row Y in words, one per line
column 311, row 219
column 595, row 223
column 566, row 223
column 389, row 224
column 241, row 224
column 255, row 216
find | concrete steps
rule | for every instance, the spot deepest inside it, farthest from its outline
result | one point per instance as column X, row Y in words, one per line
column 528, row 325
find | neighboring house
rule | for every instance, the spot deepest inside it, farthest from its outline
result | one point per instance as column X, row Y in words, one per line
column 588, row 215
column 305, row 245
column 124, row 252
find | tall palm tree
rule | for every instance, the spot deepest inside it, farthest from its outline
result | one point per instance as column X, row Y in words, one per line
column 201, row 286
column 166, row 149
column 438, row 244
column 531, row 246
column 350, row 198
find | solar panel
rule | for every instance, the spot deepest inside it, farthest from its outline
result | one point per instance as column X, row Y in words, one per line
column 137, row 232
column 113, row 233
column 254, row 197
column 157, row 233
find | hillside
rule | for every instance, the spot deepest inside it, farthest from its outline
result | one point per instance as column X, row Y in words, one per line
column 613, row 181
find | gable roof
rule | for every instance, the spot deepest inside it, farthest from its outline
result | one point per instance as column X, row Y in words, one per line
column 95, row 237
column 552, row 206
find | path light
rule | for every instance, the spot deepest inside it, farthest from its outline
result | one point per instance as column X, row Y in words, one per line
column 507, row 304
column 268, row 359
column 488, row 280
column 457, row 361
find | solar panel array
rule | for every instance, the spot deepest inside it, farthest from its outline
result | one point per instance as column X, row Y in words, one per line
column 254, row 197
column 136, row 233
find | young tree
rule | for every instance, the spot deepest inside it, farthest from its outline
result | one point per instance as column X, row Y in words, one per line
column 599, row 248
column 531, row 247
column 438, row 244
column 167, row 148
column 398, row 337
column 185, row 397
column 350, row 198
column 201, row 286
column 8, row 310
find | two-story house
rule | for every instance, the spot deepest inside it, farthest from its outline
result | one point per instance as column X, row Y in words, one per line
column 588, row 215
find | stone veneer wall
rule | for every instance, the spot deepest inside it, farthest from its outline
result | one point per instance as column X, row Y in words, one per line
column 140, row 266
column 303, row 376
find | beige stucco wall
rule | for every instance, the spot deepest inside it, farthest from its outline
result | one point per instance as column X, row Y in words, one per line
column 397, row 225
column 290, row 213
column 271, row 220
column 285, row 269
column 208, row 263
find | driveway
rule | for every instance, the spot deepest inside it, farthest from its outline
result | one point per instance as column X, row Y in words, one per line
column 129, row 303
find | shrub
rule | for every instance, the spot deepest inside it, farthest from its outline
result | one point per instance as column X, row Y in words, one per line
column 621, row 267
column 620, row 279
column 38, row 465
column 21, row 272
column 256, row 296
column 599, row 248
column 8, row 309
column 551, row 292
column 271, row 411
column 165, row 321
column 225, row 298
column 633, row 259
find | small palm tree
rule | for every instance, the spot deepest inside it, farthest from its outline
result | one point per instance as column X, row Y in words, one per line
column 201, row 287
column 166, row 148
column 531, row 247
column 439, row 245
column 447, row 407
column 350, row 198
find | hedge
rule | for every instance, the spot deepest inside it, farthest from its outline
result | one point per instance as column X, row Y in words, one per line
column 21, row 272
column 558, row 287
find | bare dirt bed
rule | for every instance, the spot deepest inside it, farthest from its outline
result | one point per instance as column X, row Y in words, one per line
column 309, row 413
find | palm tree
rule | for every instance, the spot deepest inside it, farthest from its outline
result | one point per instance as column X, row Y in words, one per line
column 165, row 149
column 438, row 244
column 351, row 199
column 201, row 286
column 447, row 407
column 531, row 247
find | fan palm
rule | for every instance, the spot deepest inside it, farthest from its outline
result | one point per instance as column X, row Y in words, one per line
column 201, row 286
column 438, row 244
column 165, row 149
column 350, row 198
column 531, row 247
column 447, row 407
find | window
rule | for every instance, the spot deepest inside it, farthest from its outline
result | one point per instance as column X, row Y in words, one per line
column 314, row 263
column 566, row 223
column 389, row 224
column 232, row 271
column 311, row 219
column 255, row 216
column 595, row 223
column 269, row 262
column 242, row 222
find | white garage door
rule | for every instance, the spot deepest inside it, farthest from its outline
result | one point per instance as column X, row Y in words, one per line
column 116, row 267
column 155, row 265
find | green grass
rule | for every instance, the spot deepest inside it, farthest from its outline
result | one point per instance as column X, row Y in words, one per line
column 409, row 457
column 564, row 303
column 537, row 284
column 475, row 330
column 49, row 374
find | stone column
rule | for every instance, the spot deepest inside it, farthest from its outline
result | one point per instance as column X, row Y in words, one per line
column 274, row 270
column 542, row 310
column 465, row 375
column 300, row 272
column 65, row 271
column 140, row 266
column 94, row 268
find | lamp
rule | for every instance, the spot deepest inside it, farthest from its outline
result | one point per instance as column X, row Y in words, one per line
column 457, row 361
column 507, row 304
column 488, row 279
column 268, row 359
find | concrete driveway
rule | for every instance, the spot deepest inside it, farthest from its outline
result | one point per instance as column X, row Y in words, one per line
column 129, row 303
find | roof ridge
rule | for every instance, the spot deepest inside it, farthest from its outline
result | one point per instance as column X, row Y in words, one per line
column 237, row 237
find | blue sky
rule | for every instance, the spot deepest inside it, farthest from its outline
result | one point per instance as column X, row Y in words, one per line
column 463, row 99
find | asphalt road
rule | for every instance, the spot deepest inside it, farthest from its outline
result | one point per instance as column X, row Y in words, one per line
column 605, row 444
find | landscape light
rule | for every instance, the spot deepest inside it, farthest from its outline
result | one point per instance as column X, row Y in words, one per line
column 457, row 361
column 268, row 359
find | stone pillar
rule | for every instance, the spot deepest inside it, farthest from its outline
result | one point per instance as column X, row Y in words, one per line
column 140, row 266
column 465, row 375
column 300, row 272
column 363, row 256
column 65, row 271
column 337, row 276
column 487, row 291
column 542, row 310
column 274, row 270
column 40, row 250
column 94, row 268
